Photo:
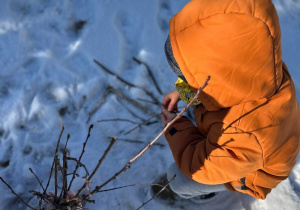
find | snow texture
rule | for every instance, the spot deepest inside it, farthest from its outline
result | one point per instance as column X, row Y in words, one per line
column 47, row 73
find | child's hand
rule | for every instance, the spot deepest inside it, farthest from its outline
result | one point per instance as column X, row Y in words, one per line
column 167, row 116
column 170, row 101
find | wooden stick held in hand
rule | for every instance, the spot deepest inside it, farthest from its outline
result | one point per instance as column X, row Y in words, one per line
column 97, row 188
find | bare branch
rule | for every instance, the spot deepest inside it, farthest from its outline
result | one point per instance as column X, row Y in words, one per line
column 172, row 122
column 157, row 193
column 46, row 198
column 21, row 199
column 80, row 164
column 64, row 190
column 113, row 140
column 30, row 169
column 79, row 159
column 56, row 160
column 136, row 141
column 131, row 185
column 150, row 74
column 56, row 151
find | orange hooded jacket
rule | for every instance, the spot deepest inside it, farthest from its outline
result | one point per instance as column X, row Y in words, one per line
column 247, row 127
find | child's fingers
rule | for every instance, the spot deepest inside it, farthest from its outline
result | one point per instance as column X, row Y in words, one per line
column 166, row 101
column 172, row 106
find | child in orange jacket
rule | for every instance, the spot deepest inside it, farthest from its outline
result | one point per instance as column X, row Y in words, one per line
column 247, row 133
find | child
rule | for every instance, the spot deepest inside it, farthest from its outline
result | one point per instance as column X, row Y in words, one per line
column 246, row 137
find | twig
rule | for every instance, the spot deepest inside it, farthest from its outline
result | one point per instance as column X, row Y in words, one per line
column 21, row 199
column 79, row 159
column 56, row 151
column 157, row 193
column 131, row 185
column 80, row 164
column 113, row 140
column 65, row 171
column 172, row 122
column 45, row 197
column 56, row 160
column 37, row 178
column 124, row 81
column 72, row 174
column 137, row 141
column 97, row 188
column 150, row 73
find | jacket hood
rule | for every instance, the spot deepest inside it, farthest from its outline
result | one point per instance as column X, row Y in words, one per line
column 235, row 42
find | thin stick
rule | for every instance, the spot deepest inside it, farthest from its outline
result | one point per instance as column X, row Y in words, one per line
column 80, row 164
column 157, row 193
column 46, row 198
column 149, row 72
column 137, row 141
column 172, row 122
column 21, row 199
column 79, row 159
column 37, row 178
column 131, row 185
column 97, row 188
column 56, row 160
column 64, row 190
column 56, row 151
column 113, row 140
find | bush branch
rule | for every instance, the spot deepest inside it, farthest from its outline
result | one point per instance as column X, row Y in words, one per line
column 113, row 140
column 55, row 156
column 21, row 199
column 79, row 159
column 37, row 178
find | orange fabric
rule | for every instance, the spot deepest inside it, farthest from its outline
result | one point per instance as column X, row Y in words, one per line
column 247, row 128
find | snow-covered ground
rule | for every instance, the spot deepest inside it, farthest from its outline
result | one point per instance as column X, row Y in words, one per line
column 47, row 73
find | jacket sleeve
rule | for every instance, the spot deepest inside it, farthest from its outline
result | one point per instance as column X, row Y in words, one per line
column 224, row 155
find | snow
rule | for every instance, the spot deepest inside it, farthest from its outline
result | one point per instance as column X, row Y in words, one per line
column 47, row 73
